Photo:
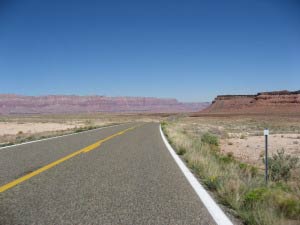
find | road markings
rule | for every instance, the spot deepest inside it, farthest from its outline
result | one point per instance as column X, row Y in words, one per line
column 97, row 144
column 55, row 163
column 215, row 211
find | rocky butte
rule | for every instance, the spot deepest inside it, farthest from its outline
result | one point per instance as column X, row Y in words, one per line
column 18, row 104
column 263, row 102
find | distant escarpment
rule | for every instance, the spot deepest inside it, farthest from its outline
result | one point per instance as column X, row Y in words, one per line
column 263, row 102
column 18, row 104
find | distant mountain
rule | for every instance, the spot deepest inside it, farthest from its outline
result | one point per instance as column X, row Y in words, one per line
column 18, row 104
column 264, row 102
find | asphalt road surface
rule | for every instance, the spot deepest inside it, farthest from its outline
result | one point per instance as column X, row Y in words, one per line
column 127, row 177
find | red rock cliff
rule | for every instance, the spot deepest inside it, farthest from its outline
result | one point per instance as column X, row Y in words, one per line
column 15, row 104
column 264, row 102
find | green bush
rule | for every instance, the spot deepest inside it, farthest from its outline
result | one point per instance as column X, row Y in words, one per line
column 163, row 124
column 181, row 151
column 210, row 139
column 243, row 166
column 254, row 196
column 280, row 166
column 226, row 159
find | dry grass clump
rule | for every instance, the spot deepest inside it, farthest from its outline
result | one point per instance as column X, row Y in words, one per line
column 237, row 185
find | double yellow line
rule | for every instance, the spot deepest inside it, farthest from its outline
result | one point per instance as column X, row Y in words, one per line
column 55, row 163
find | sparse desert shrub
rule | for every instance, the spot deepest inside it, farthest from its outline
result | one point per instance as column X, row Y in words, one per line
column 91, row 127
column 286, row 203
column 181, row 151
column 253, row 171
column 261, row 154
column 226, row 158
column 250, row 170
column 225, row 135
column 80, row 129
column 30, row 138
column 163, row 124
column 20, row 132
column 230, row 155
column 242, row 136
column 210, row 139
column 19, row 138
column 230, row 143
column 88, row 123
column 242, row 166
column 212, row 182
column 280, row 166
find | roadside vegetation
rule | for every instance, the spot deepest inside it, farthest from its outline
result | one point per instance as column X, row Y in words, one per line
column 22, row 137
column 238, row 185
column 23, row 128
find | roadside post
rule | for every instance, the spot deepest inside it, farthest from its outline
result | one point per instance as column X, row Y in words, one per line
column 266, row 134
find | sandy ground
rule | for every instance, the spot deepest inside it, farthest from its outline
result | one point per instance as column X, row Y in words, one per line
column 243, row 135
column 11, row 128
column 251, row 149
column 20, row 128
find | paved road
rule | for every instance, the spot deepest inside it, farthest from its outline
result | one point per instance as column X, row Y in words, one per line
column 131, row 178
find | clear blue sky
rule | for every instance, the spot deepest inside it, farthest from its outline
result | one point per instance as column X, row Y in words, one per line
column 190, row 50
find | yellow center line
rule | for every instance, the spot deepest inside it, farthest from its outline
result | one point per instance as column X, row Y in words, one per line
column 55, row 163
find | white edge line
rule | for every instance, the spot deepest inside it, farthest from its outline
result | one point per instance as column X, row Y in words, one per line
column 215, row 211
column 64, row 135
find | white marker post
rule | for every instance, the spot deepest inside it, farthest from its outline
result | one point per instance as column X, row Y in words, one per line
column 266, row 133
